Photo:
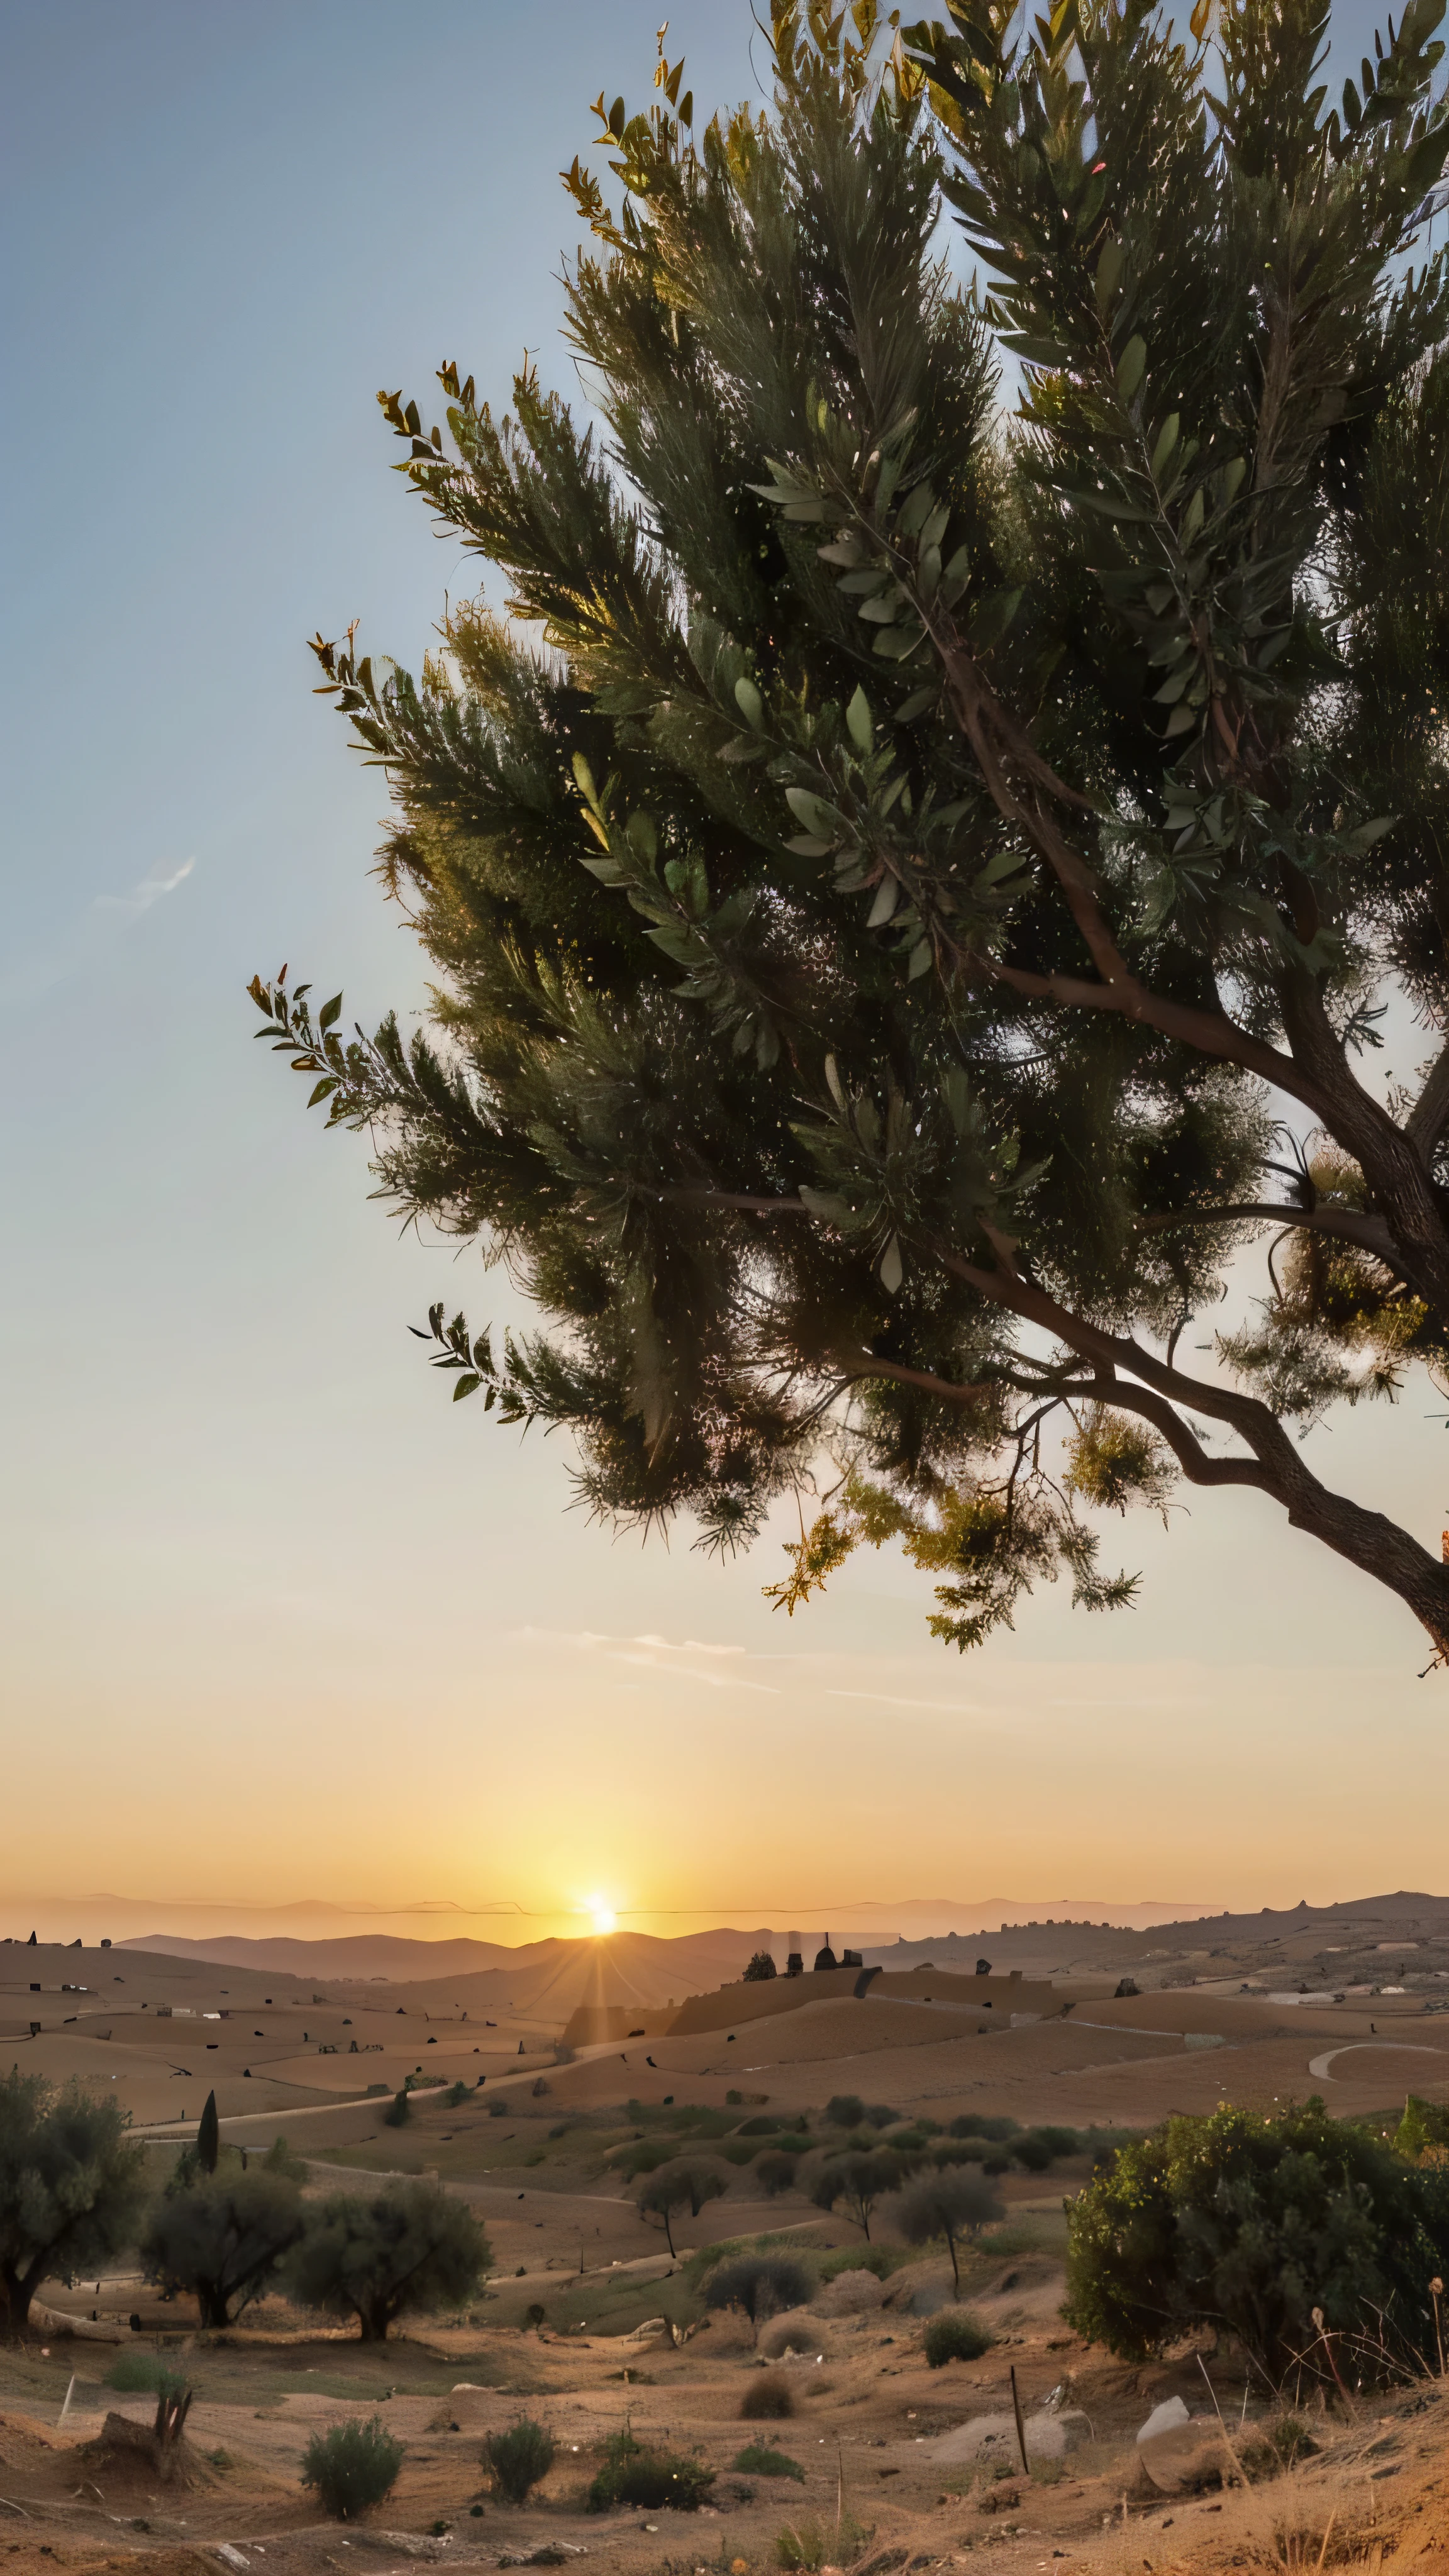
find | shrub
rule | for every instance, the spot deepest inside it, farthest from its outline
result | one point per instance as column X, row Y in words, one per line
column 759, row 2285
column 956, row 2335
column 399, row 2111
column 135, row 2373
column 960, row 2151
column 1423, row 2130
column 809, row 2545
column 633, row 2475
column 949, row 2203
column 535, row 2314
column 352, row 2467
column 519, row 2458
column 411, row 2246
column 775, row 2171
column 455, row 2094
column 879, row 2115
column 1280, row 2445
column 763, row 2125
column 844, row 2111
column 1062, row 2142
column 1032, row 2151
column 769, row 2399
column 759, row 2460
column 761, row 1967
column 983, row 2124
column 1255, row 2224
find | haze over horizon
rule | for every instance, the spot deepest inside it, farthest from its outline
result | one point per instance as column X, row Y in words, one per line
column 276, row 1616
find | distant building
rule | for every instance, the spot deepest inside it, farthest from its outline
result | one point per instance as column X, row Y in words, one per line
column 826, row 1957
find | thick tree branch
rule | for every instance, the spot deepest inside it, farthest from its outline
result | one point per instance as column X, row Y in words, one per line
column 1347, row 1225
column 1429, row 1116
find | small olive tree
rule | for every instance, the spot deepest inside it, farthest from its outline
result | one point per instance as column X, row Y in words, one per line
column 678, row 2186
column 224, row 2236
column 71, row 2188
column 412, row 2246
column 953, row 2202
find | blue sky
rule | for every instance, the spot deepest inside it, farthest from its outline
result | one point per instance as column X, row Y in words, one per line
column 275, row 1619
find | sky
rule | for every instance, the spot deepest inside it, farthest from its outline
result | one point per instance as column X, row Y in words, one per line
column 275, row 1621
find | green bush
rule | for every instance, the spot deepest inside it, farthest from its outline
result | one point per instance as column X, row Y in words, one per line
column 1277, row 2446
column 1062, row 2142
column 352, row 2467
column 844, row 2111
column 1254, row 2223
column 1424, row 2128
column 763, row 2125
column 955, row 2335
column 769, row 2399
column 983, row 2124
column 774, row 2171
column 135, row 2373
column 519, row 2458
column 758, row 2460
column 633, row 2475
column 399, row 2111
column 858, row 2258
column 1032, row 2152
column 455, row 2094
column 960, row 2151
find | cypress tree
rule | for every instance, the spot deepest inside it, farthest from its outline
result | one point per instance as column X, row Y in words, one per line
column 914, row 869
column 208, row 2137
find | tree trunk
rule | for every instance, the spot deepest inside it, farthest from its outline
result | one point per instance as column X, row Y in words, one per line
column 955, row 2266
column 15, row 2297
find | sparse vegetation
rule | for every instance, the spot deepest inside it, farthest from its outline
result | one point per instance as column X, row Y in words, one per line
column 352, row 2468
column 399, row 2110
column 775, row 2171
column 844, row 2111
column 769, row 2398
column 760, row 1969
column 759, row 2460
column 759, row 2285
column 956, row 2335
column 519, row 2459
column 633, row 2475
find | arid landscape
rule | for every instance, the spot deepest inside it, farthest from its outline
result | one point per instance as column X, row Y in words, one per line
column 541, row 2081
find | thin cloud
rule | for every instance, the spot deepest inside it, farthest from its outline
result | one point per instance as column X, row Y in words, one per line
column 149, row 891
column 889, row 1699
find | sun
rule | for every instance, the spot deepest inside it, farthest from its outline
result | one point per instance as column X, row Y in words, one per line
column 604, row 1917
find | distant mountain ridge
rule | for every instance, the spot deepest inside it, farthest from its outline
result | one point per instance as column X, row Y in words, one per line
column 650, row 1968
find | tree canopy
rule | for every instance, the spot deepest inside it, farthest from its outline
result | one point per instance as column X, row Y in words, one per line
column 412, row 2246
column 72, row 2185
column 224, row 2235
column 915, row 868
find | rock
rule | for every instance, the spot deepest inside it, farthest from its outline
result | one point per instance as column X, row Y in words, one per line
column 1162, row 2418
column 993, row 2437
column 1185, row 2457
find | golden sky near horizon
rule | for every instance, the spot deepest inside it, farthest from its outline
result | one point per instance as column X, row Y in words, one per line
column 277, row 1622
